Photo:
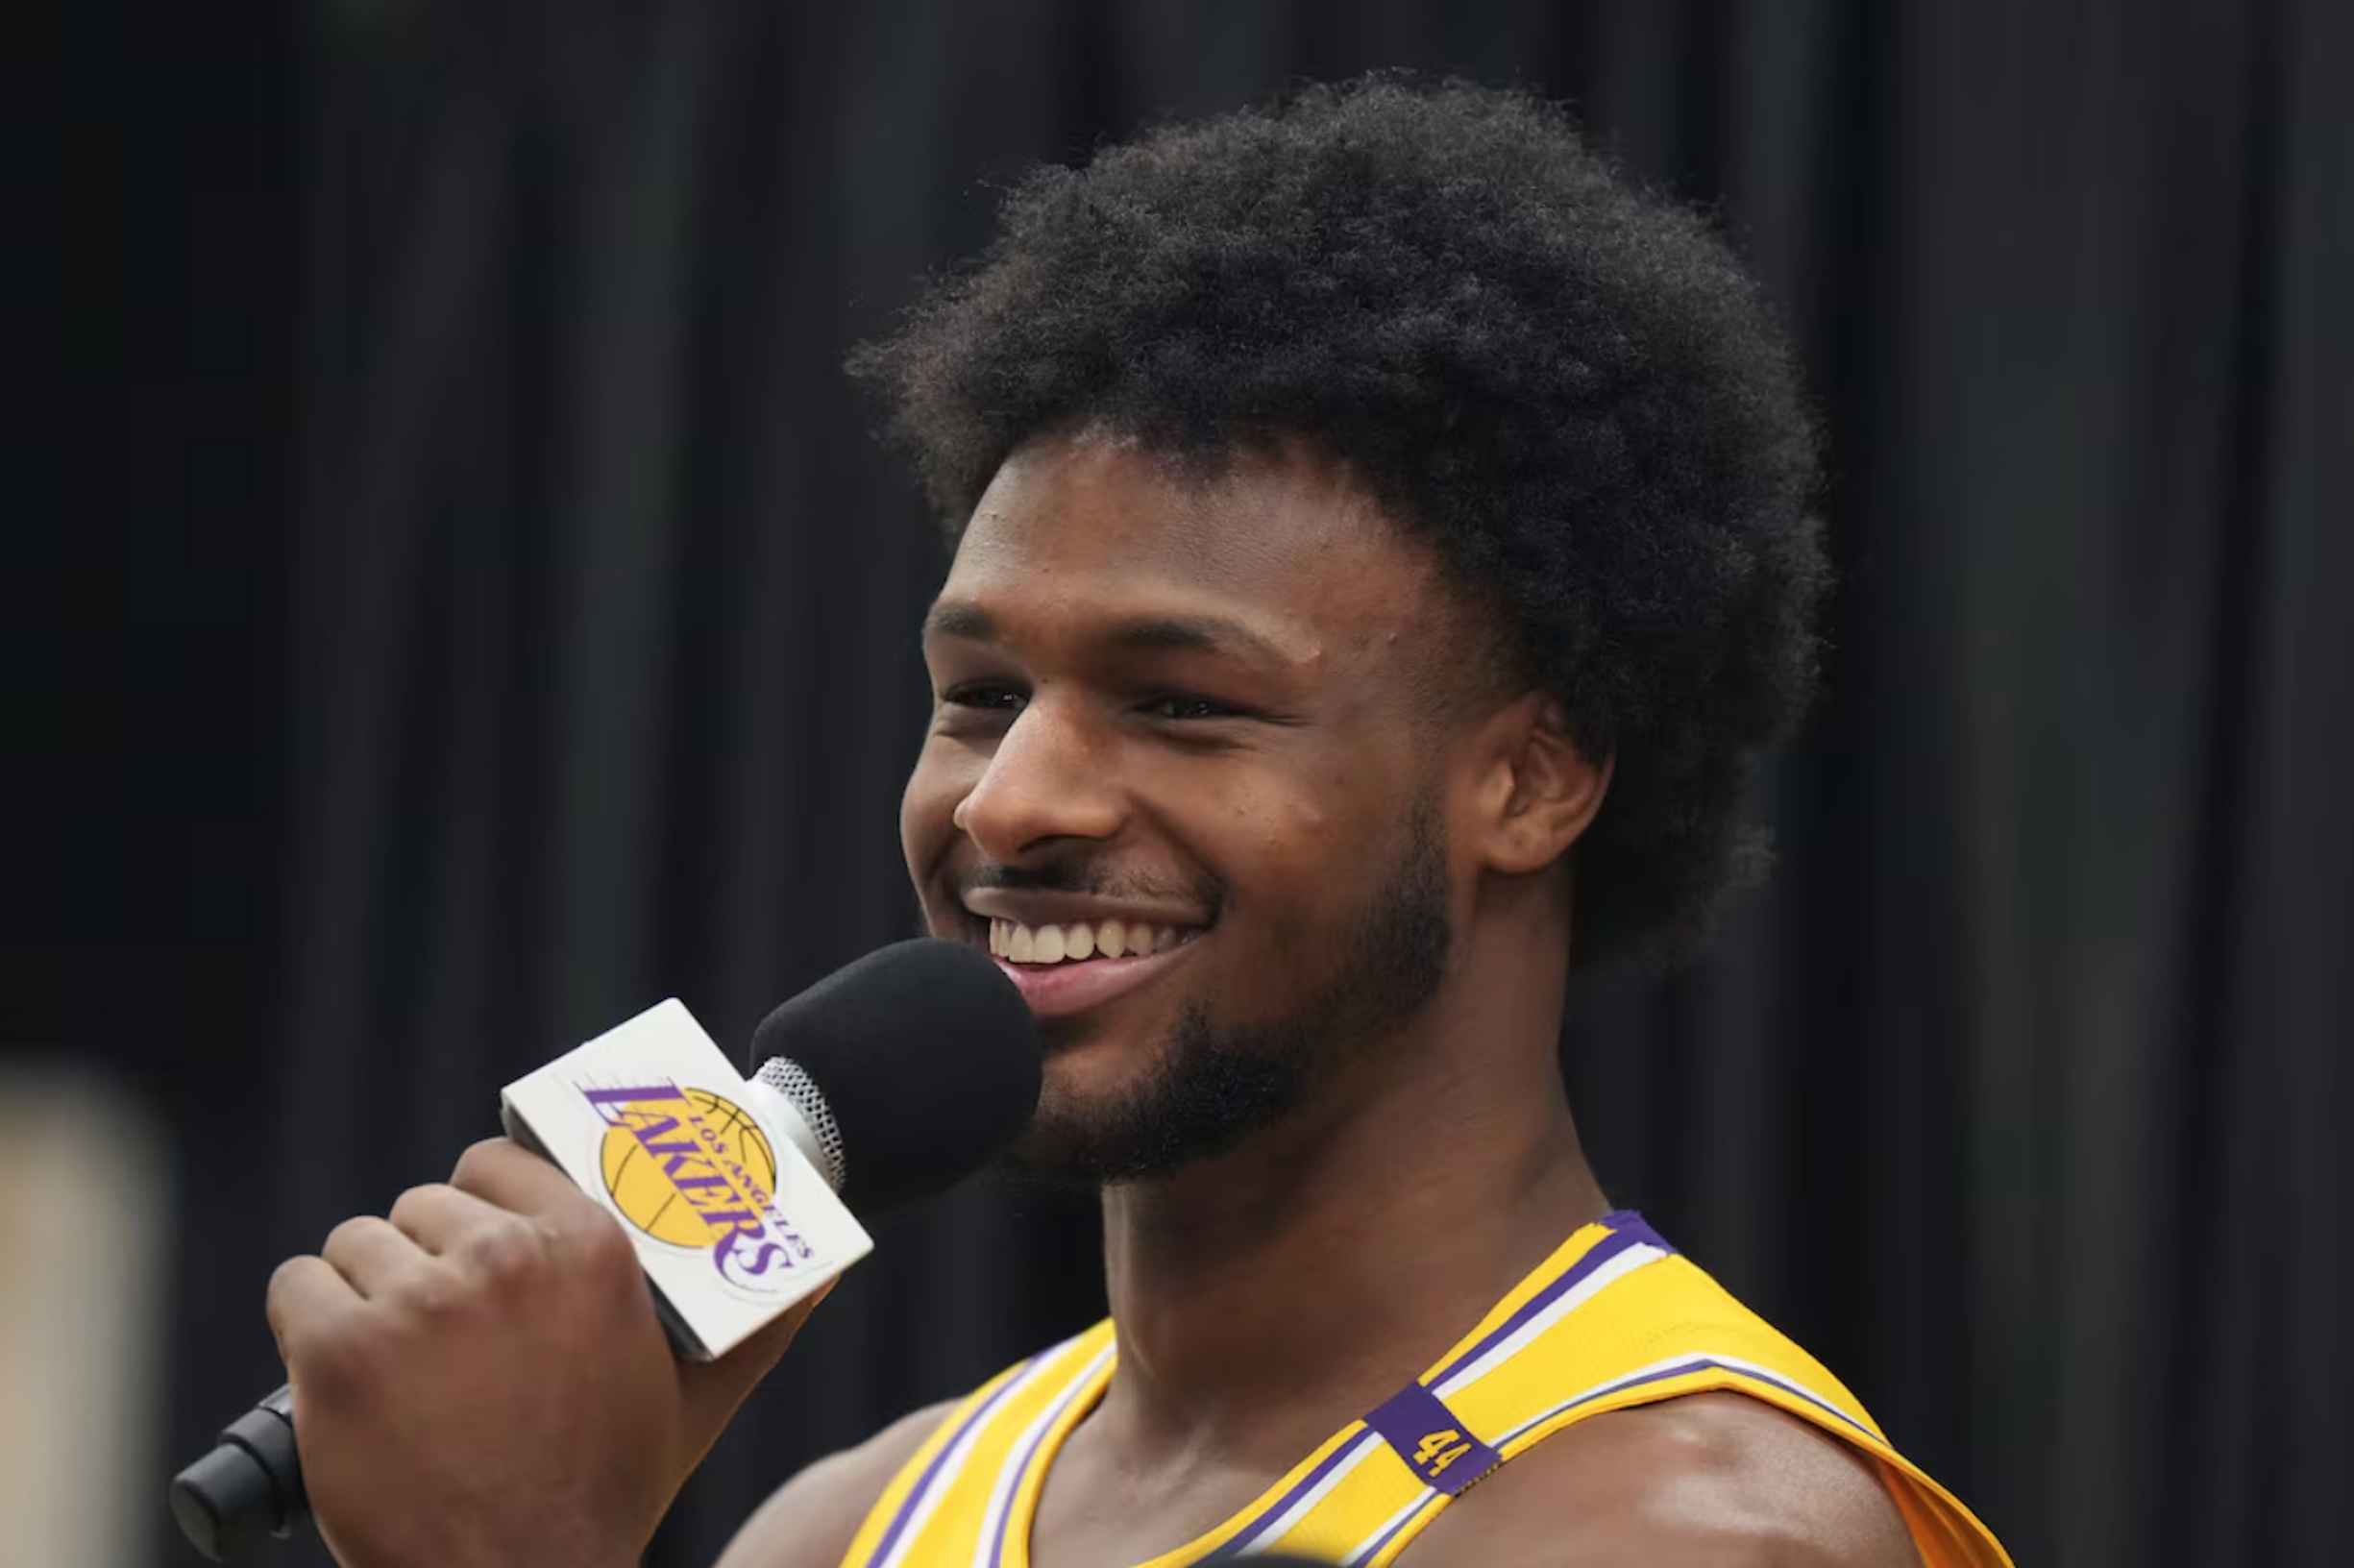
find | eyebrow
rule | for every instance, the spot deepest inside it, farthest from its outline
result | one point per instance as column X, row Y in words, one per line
column 1159, row 633
column 955, row 618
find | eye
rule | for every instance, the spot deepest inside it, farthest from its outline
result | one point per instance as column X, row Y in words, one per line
column 984, row 695
column 1180, row 705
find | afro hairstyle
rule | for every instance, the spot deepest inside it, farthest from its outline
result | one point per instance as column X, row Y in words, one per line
column 1565, row 384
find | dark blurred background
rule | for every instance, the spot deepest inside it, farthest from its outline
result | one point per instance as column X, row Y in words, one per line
column 475, row 609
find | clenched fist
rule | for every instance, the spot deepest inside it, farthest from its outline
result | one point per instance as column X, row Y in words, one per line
column 480, row 1378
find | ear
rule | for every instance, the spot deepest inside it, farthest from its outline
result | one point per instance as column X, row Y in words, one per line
column 1537, row 791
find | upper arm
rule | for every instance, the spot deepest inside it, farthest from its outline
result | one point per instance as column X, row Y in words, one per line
column 810, row 1520
column 1707, row 1481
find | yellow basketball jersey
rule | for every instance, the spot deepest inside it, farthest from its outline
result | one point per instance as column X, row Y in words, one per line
column 1614, row 1318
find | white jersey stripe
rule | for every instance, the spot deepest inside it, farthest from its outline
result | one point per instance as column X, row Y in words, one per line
column 953, row 1463
column 988, row 1545
column 1366, row 1546
column 1790, row 1386
column 1267, row 1534
column 1672, row 1366
column 1503, row 1351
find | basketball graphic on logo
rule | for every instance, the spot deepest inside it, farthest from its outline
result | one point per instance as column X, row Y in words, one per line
column 663, row 1150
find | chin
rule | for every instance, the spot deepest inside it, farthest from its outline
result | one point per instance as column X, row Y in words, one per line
column 1106, row 1061
column 1111, row 1114
column 1094, row 1119
column 1084, row 1093
column 1062, row 1154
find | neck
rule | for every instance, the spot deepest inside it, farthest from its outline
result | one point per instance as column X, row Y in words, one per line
column 1267, row 1296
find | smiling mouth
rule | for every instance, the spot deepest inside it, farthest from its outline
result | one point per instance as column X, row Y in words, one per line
column 1074, row 968
column 1077, row 941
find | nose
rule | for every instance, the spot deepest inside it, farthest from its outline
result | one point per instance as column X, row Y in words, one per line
column 1049, row 779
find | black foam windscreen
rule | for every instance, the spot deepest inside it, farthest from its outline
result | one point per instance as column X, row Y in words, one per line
column 928, row 1058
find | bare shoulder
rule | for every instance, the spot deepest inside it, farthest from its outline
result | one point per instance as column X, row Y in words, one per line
column 810, row 1520
column 1709, row 1481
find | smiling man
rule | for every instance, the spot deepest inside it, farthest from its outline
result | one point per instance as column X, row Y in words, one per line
column 1381, row 556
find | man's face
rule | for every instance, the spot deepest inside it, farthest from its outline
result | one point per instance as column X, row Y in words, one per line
column 1186, row 728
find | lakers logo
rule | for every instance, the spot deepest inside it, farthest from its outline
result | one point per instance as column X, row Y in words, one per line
column 689, row 1168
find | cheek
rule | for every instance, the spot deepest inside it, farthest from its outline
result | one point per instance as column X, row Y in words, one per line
column 1312, row 827
column 928, row 809
column 1286, row 853
column 1311, row 856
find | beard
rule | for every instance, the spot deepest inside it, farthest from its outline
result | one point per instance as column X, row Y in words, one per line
column 1211, row 1085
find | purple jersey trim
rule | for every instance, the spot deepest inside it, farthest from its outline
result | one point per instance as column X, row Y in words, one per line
column 1283, row 1505
column 1430, row 1500
column 1029, row 1455
column 1627, row 1229
column 1684, row 1370
column 1432, row 1440
column 923, row 1483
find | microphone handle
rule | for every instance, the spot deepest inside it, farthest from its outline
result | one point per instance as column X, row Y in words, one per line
column 249, row 1486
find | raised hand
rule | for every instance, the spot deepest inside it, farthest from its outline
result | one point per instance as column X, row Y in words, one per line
column 480, row 1378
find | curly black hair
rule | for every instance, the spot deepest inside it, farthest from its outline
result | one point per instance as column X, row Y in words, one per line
column 1566, row 384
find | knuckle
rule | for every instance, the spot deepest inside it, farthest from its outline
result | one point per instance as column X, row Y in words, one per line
column 408, row 1207
column 603, row 1242
column 479, row 1158
column 349, row 1233
column 508, row 1251
column 436, row 1295
column 332, row 1356
column 281, row 1287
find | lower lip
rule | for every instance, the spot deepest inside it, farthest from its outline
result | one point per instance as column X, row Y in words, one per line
column 1059, row 991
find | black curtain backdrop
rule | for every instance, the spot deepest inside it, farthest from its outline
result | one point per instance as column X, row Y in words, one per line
column 522, row 628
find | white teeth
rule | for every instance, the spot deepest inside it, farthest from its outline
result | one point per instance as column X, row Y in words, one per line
column 1079, row 941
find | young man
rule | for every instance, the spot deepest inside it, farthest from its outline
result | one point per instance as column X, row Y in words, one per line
column 1382, row 556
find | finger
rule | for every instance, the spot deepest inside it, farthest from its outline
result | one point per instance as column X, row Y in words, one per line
column 372, row 1254
column 711, row 1390
column 502, row 1172
column 306, row 1294
column 440, row 1217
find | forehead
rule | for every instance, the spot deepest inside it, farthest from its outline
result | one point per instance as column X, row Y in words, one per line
column 1286, row 540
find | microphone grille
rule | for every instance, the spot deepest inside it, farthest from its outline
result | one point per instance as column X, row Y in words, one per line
column 784, row 1075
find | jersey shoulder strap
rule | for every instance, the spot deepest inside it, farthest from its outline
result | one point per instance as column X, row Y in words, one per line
column 1614, row 1319
column 956, row 1488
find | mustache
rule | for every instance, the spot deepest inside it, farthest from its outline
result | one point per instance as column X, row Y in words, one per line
column 1083, row 875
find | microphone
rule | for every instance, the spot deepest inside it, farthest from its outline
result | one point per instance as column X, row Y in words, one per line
column 896, row 1077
